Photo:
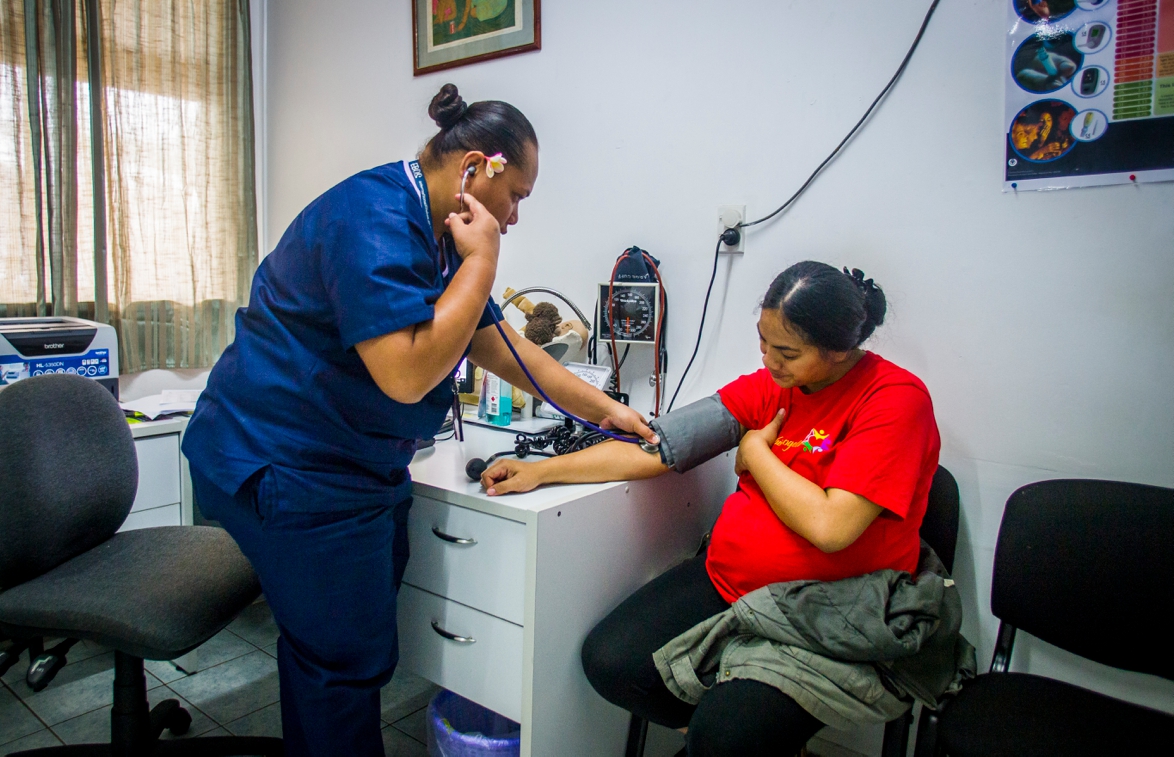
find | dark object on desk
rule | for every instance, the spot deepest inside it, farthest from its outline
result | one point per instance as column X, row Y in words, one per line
column 562, row 438
column 1087, row 566
column 475, row 467
column 154, row 594
column 939, row 529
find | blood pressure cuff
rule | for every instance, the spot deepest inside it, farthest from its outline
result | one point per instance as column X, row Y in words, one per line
column 696, row 433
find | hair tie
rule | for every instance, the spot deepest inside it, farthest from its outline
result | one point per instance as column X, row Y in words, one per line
column 857, row 277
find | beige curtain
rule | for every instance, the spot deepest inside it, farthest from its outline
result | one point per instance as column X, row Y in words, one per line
column 21, row 254
column 176, row 136
column 43, row 97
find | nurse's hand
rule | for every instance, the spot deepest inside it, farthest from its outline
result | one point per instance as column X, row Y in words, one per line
column 620, row 417
column 508, row 476
column 476, row 232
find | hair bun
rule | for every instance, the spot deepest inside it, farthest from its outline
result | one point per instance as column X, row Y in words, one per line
column 875, row 305
column 447, row 107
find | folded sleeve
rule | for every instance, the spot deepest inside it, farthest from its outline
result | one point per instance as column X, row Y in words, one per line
column 883, row 456
column 378, row 268
column 752, row 399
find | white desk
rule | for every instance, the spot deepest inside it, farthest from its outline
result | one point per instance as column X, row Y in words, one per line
column 164, row 496
column 545, row 568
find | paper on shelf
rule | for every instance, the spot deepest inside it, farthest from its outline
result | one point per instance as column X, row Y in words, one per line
column 170, row 401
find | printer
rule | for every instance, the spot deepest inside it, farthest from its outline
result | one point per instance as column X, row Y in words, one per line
column 34, row 346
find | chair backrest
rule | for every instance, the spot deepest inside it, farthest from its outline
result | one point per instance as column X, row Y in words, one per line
column 69, row 472
column 1088, row 566
column 939, row 528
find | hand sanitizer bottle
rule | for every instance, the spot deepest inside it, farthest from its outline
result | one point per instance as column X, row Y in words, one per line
column 499, row 402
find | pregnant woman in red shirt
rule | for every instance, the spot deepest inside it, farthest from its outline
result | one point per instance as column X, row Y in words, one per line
column 837, row 454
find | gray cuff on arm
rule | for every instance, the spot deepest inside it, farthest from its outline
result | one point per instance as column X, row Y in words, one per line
column 696, row 433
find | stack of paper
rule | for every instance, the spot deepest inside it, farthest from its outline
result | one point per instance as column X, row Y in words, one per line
column 170, row 402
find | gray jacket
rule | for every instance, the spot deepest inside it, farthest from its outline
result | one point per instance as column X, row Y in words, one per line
column 849, row 652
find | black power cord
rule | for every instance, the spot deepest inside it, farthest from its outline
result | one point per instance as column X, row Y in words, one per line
column 731, row 236
column 900, row 70
column 700, row 329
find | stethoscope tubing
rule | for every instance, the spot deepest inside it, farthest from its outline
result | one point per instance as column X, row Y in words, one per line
column 546, row 398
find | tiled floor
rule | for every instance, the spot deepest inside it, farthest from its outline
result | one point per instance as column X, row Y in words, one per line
column 234, row 692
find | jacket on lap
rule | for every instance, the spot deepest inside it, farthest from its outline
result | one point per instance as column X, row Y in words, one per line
column 849, row 652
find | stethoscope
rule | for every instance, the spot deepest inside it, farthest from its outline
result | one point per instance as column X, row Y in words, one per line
column 629, row 438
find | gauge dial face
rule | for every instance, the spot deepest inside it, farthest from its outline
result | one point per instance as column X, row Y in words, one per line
column 632, row 315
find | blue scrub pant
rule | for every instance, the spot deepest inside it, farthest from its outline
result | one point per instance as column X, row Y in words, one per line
column 331, row 581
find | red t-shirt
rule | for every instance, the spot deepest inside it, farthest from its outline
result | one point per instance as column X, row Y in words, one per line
column 872, row 433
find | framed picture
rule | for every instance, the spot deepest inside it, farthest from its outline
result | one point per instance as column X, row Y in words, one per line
column 450, row 33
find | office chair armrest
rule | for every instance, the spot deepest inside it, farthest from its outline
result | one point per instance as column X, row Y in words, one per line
column 1001, row 660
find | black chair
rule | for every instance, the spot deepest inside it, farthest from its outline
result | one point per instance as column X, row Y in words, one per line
column 1086, row 566
column 939, row 529
column 69, row 475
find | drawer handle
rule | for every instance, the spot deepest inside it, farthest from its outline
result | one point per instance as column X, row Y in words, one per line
column 452, row 636
column 452, row 539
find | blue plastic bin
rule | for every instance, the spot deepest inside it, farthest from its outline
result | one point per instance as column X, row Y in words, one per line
column 460, row 728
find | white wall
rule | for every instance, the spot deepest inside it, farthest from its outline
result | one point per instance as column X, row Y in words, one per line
column 1042, row 322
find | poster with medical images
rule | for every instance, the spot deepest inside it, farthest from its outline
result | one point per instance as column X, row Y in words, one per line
column 1089, row 93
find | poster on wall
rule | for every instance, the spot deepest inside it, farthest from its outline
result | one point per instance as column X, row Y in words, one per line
column 1089, row 93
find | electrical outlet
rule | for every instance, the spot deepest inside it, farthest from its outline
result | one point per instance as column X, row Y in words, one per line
column 729, row 216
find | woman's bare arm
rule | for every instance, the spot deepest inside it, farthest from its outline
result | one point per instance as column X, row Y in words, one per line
column 609, row 461
column 431, row 347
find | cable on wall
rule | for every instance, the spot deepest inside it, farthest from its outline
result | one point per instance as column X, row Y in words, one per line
column 810, row 179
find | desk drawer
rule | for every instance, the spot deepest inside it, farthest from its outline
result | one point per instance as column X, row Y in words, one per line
column 487, row 668
column 158, row 472
column 488, row 574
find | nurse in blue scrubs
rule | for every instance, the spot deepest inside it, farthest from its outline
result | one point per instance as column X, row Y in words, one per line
column 344, row 357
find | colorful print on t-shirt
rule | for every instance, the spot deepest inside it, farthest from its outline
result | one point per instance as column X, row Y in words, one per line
column 817, row 441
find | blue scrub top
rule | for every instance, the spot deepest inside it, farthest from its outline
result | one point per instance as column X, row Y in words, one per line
column 291, row 391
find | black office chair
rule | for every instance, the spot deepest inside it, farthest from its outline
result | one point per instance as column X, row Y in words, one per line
column 69, row 475
column 1086, row 566
column 939, row 529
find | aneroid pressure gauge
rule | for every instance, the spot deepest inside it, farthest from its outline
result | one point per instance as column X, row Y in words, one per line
column 635, row 312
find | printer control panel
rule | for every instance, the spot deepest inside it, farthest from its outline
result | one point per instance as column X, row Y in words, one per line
column 93, row 364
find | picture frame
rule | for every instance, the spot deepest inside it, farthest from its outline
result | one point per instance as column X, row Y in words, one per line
column 451, row 33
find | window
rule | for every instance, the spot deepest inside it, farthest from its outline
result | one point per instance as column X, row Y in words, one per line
column 177, row 155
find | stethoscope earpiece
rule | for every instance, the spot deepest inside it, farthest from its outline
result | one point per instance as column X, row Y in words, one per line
column 470, row 171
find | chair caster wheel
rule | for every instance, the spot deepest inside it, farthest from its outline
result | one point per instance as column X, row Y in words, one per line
column 168, row 715
column 179, row 722
column 43, row 670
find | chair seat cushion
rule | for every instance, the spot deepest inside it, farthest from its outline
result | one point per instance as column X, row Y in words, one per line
column 1017, row 714
column 154, row 593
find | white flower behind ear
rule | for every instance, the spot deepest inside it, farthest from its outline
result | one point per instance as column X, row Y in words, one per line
column 495, row 164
